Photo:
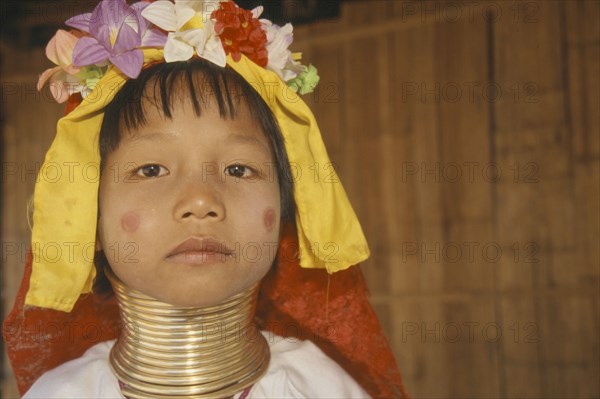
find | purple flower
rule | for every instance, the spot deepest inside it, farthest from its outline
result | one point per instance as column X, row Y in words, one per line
column 117, row 31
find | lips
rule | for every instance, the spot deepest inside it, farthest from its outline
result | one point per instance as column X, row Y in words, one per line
column 199, row 251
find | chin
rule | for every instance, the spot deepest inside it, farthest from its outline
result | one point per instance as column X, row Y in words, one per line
column 197, row 299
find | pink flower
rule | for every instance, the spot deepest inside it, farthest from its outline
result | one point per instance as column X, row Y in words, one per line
column 281, row 60
column 60, row 51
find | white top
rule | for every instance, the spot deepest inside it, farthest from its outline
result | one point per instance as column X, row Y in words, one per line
column 298, row 369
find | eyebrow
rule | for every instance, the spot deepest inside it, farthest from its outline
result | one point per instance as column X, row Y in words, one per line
column 152, row 136
column 246, row 139
column 234, row 137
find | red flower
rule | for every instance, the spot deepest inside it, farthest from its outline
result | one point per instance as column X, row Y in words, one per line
column 241, row 33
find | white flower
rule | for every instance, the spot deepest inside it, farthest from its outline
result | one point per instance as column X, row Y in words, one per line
column 190, row 29
column 281, row 61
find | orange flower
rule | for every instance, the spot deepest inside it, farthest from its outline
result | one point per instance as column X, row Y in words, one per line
column 241, row 33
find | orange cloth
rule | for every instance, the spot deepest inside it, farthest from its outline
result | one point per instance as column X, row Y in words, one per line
column 333, row 311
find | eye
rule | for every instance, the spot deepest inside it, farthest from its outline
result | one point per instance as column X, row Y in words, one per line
column 239, row 171
column 151, row 170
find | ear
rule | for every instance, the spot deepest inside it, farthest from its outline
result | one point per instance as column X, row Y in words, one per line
column 98, row 245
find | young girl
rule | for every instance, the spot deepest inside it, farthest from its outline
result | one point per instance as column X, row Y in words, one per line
column 200, row 221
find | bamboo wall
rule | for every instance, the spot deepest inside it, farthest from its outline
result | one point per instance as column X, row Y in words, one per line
column 467, row 135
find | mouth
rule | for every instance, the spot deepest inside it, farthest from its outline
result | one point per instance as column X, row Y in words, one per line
column 200, row 251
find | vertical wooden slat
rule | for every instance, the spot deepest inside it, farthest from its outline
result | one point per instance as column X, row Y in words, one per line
column 417, row 339
column 572, row 334
column 364, row 13
column 477, row 353
column 417, row 121
column 584, row 63
column 464, row 142
column 521, row 345
column 415, row 125
column 465, row 148
column 536, row 134
column 362, row 133
column 399, row 159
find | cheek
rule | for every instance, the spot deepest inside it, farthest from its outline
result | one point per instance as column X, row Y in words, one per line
column 130, row 222
column 269, row 219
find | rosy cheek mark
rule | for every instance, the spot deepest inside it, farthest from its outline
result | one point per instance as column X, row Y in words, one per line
column 130, row 221
column 269, row 219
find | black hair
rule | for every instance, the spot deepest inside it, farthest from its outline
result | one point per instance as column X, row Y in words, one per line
column 198, row 81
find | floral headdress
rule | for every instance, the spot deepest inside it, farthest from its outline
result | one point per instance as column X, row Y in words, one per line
column 111, row 45
column 115, row 34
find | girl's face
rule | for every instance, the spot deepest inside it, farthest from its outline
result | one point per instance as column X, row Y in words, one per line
column 190, row 207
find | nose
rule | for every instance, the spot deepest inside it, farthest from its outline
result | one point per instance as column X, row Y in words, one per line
column 199, row 201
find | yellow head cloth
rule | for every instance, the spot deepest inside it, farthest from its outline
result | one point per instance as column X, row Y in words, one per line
column 65, row 198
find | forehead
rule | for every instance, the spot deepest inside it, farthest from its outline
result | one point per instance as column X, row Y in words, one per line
column 199, row 89
column 185, row 127
column 162, row 89
column 193, row 90
column 241, row 128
